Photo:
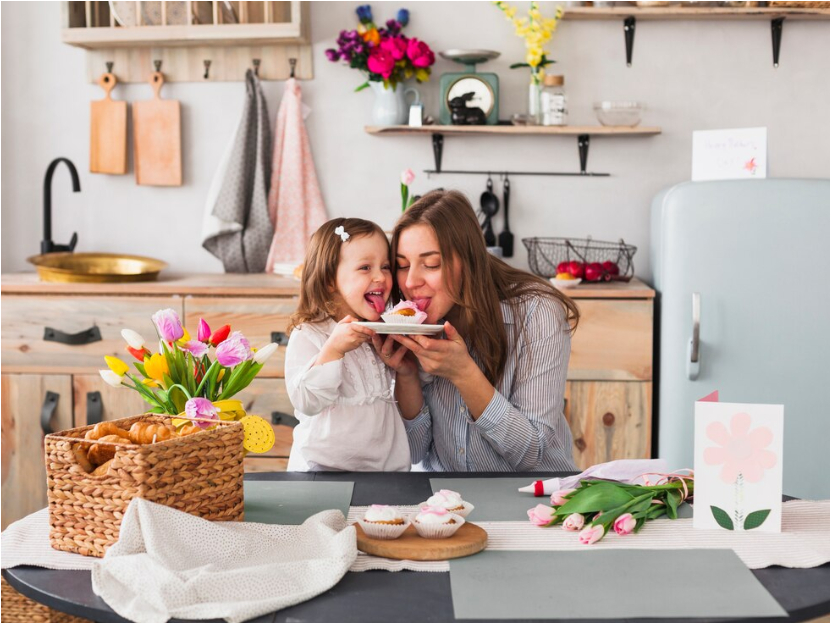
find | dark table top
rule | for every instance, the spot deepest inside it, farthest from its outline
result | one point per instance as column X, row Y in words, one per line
column 380, row 596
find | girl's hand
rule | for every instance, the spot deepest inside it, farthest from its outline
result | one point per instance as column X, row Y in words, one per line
column 444, row 358
column 400, row 359
column 346, row 337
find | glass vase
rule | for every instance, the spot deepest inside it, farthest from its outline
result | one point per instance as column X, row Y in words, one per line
column 534, row 102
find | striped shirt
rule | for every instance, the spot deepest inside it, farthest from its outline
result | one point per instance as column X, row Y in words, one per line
column 522, row 428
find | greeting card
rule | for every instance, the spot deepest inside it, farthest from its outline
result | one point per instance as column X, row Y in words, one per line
column 738, row 466
column 729, row 154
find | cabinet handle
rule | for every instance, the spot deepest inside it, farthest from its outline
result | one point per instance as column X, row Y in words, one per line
column 281, row 418
column 694, row 346
column 50, row 404
column 93, row 334
column 95, row 408
column 280, row 338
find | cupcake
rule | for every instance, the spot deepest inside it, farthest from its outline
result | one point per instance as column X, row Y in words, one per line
column 436, row 522
column 383, row 522
column 405, row 312
column 451, row 501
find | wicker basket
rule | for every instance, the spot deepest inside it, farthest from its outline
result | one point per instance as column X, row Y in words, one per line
column 200, row 474
column 19, row 608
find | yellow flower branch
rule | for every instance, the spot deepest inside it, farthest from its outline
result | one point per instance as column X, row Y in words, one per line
column 536, row 30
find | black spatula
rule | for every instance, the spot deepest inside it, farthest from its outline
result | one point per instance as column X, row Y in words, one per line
column 506, row 239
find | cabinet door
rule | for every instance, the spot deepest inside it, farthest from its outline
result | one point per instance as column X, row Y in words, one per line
column 96, row 401
column 609, row 420
column 24, row 474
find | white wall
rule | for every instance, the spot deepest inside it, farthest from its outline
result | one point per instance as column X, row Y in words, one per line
column 693, row 75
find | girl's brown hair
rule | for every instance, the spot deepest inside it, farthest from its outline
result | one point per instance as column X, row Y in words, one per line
column 485, row 279
column 320, row 268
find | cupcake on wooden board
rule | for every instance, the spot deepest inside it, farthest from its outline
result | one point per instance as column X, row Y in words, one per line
column 436, row 522
column 383, row 522
column 405, row 312
column 451, row 501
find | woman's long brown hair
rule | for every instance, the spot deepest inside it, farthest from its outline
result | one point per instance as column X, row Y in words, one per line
column 485, row 279
column 320, row 268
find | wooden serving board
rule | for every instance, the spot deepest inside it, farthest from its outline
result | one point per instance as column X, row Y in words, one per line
column 108, row 131
column 157, row 138
column 468, row 540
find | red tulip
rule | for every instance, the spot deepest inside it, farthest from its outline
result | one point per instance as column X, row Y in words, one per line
column 220, row 335
column 139, row 354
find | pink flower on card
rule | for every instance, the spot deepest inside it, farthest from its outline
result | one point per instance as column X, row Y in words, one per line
column 741, row 451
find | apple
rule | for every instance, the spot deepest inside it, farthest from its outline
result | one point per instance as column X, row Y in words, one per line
column 576, row 268
column 594, row 272
column 563, row 267
column 611, row 268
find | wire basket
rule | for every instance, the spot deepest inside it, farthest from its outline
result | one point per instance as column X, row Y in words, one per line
column 544, row 254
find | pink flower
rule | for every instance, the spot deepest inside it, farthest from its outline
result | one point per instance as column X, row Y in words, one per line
column 195, row 348
column 742, row 451
column 574, row 522
column 558, row 497
column 590, row 534
column 203, row 334
column 625, row 524
column 381, row 62
column 201, row 408
column 407, row 177
column 233, row 350
column 420, row 53
column 541, row 515
column 168, row 325
column 396, row 46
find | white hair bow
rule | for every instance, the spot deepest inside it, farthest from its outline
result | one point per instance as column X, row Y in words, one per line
column 342, row 233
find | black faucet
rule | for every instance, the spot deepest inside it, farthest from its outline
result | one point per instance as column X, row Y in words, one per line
column 46, row 245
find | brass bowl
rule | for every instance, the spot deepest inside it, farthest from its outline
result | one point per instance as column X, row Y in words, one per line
column 67, row 266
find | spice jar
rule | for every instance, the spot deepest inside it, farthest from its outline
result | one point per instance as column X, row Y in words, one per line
column 553, row 101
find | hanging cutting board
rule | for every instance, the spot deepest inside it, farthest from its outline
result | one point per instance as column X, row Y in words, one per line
column 108, row 131
column 157, row 137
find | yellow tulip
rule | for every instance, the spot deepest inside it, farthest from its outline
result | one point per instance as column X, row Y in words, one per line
column 156, row 366
column 185, row 337
column 117, row 366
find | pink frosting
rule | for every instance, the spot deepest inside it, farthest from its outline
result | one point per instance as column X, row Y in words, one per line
column 409, row 305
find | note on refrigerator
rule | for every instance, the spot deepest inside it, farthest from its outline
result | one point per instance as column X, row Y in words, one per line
column 729, row 154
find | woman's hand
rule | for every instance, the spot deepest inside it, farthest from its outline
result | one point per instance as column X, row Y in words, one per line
column 347, row 337
column 445, row 358
column 400, row 359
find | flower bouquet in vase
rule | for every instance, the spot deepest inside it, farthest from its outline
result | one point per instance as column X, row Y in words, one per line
column 182, row 380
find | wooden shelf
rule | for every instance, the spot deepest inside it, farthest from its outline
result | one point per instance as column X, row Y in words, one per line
column 515, row 130
column 693, row 13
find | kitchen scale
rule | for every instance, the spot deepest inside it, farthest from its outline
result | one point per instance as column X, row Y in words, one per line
column 484, row 86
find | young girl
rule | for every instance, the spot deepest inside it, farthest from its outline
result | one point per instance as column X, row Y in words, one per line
column 340, row 389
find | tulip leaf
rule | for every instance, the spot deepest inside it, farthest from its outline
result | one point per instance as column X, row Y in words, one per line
column 756, row 519
column 673, row 499
column 361, row 87
column 140, row 368
column 722, row 518
column 178, row 396
column 595, row 497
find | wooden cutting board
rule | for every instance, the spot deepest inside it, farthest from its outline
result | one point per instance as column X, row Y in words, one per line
column 468, row 540
column 108, row 131
column 157, row 137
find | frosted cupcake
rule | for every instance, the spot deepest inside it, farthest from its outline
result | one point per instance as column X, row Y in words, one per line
column 383, row 522
column 451, row 501
column 405, row 312
column 436, row 522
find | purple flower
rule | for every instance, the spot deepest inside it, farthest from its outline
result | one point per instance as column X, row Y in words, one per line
column 403, row 17
column 195, row 348
column 168, row 325
column 364, row 13
column 332, row 55
column 233, row 350
column 201, row 408
column 203, row 334
column 393, row 28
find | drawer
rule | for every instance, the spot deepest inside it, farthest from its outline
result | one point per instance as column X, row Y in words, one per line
column 613, row 340
column 26, row 347
column 268, row 398
column 256, row 317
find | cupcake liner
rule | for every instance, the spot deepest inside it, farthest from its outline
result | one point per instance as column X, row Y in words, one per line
column 405, row 320
column 464, row 513
column 380, row 530
column 438, row 531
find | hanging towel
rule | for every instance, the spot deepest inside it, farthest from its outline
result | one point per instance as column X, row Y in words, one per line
column 237, row 228
column 295, row 203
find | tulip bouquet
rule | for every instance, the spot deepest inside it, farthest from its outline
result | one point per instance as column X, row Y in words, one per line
column 383, row 54
column 180, row 379
column 596, row 507
column 407, row 177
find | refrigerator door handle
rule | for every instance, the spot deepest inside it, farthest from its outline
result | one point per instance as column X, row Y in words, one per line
column 693, row 349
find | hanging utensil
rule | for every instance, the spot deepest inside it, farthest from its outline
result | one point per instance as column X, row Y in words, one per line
column 506, row 238
column 490, row 206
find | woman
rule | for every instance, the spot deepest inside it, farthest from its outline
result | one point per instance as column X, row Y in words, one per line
column 490, row 397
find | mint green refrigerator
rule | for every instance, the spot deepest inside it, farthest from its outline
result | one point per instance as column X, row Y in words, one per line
column 741, row 270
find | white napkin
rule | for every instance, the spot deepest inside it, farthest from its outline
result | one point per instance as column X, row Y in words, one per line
column 623, row 470
column 168, row 563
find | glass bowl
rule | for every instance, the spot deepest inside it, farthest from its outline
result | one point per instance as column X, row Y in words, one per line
column 619, row 113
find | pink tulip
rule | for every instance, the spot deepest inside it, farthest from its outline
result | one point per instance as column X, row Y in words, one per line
column 625, row 524
column 541, row 515
column 168, row 325
column 407, row 177
column 420, row 53
column 201, row 408
column 233, row 350
column 195, row 348
column 396, row 46
column 590, row 534
column 203, row 334
column 574, row 522
column 558, row 497
column 380, row 62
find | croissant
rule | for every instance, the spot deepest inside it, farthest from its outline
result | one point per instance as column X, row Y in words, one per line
column 99, row 454
column 103, row 429
column 81, row 457
column 143, row 433
column 189, row 429
column 102, row 469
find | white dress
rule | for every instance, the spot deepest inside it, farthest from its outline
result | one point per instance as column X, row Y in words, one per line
column 348, row 416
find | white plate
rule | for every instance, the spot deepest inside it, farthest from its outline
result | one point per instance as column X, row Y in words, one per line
column 402, row 328
column 561, row 283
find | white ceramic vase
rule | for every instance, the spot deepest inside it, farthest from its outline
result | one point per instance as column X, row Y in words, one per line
column 390, row 107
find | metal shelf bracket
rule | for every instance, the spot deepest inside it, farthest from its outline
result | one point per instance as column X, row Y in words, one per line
column 438, row 148
column 776, row 34
column 629, row 35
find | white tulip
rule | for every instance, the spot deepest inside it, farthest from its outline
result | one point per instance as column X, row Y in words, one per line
column 133, row 339
column 111, row 378
column 266, row 352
